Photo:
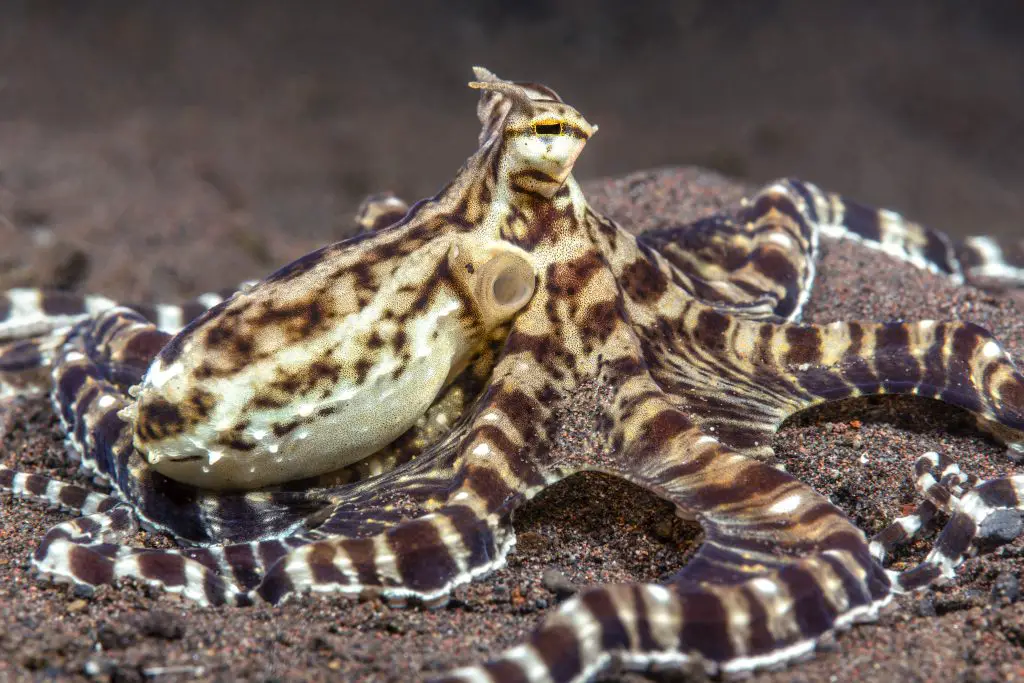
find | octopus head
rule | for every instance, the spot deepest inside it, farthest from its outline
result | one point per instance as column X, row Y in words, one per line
column 541, row 135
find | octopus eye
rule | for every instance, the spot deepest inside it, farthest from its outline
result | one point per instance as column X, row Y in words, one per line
column 548, row 127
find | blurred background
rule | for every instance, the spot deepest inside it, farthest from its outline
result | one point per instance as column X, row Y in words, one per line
column 263, row 124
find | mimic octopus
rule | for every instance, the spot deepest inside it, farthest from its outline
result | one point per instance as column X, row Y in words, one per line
column 366, row 419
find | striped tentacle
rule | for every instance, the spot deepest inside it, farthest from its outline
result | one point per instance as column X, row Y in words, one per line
column 87, row 551
column 840, row 217
column 958, row 363
column 773, row 371
column 980, row 260
column 988, row 261
column 54, row 493
column 100, row 360
column 645, row 627
column 940, row 494
column 989, row 515
column 90, row 551
column 760, row 264
column 34, row 323
column 81, row 551
column 780, row 566
column 30, row 312
column 420, row 559
column 770, row 248
column 438, row 522
column 985, row 513
column 766, row 372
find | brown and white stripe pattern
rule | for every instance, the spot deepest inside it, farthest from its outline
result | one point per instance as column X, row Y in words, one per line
column 30, row 312
column 987, row 260
column 272, row 568
column 761, row 262
column 978, row 260
column 940, row 494
column 687, row 328
column 34, row 322
column 989, row 515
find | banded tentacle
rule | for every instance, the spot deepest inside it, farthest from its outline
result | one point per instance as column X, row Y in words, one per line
column 761, row 262
column 989, row 515
column 780, row 565
column 91, row 551
column 365, row 546
column 34, row 322
column 769, row 371
column 764, row 373
column 987, row 260
column 983, row 261
column 54, row 493
column 88, row 551
column 419, row 558
column 29, row 312
column 100, row 360
column 939, row 494
column 980, row 260
column 982, row 513
column 958, row 363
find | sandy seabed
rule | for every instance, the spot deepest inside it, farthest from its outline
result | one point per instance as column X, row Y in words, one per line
column 589, row 529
